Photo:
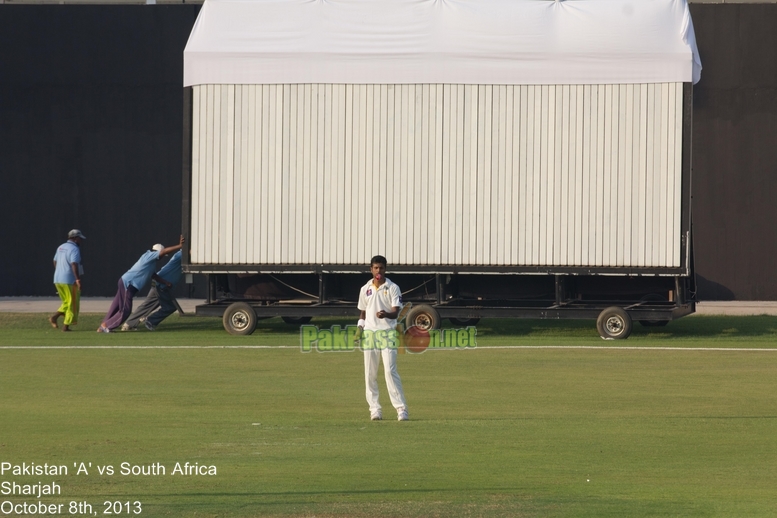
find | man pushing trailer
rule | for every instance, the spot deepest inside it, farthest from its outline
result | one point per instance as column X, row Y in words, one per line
column 134, row 280
column 160, row 295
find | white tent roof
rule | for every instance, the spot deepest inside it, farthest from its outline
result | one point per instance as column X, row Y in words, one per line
column 442, row 41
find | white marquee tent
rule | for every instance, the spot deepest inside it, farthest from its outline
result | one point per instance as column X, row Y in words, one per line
column 527, row 133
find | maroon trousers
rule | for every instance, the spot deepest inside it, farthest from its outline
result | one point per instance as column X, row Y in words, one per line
column 121, row 307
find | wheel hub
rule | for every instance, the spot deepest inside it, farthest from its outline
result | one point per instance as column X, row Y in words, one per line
column 239, row 320
column 614, row 326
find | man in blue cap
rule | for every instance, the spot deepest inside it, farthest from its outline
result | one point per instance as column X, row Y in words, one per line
column 67, row 279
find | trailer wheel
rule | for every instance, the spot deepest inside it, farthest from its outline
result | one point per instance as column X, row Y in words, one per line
column 464, row 321
column 297, row 321
column 424, row 317
column 239, row 319
column 614, row 324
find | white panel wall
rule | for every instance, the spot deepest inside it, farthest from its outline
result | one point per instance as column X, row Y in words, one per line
column 437, row 174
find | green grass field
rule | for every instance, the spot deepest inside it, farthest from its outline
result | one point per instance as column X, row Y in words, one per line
column 495, row 431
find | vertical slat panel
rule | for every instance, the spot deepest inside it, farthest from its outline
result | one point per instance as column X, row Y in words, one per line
column 371, row 165
column 554, row 171
column 608, row 189
column 548, row 174
column 278, row 180
column 285, row 249
column 509, row 175
column 521, row 219
column 238, row 174
column 349, row 215
column 663, row 171
column 298, row 190
column 339, row 112
column 541, row 186
column 642, row 160
column 228, row 178
column 628, row 174
column 377, row 203
column 245, row 234
column 456, row 200
column 650, row 164
column 419, row 221
column 575, row 175
column 575, row 168
column 361, row 241
column 255, row 178
column 620, row 174
column 563, row 156
column 599, row 184
column 215, row 195
column 676, row 168
column 261, row 230
column 589, row 157
column 399, row 234
column 490, row 162
column 436, row 165
column 444, row 185
column 327, row 188
column 317, row 163
column 308, row 180
column 423, row 251
column 196, row 209
column 498, row 201
column 410, row 222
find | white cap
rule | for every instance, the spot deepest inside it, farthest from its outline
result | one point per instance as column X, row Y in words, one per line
column 158, row 247
column 75, row 233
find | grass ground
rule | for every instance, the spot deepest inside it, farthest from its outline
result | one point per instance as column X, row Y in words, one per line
column 494, row 431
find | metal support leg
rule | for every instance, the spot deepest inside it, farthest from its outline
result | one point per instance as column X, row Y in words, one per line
column 560, row 295
column 440, row 281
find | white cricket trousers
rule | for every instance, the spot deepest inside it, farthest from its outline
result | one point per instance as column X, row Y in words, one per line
column 393, row 383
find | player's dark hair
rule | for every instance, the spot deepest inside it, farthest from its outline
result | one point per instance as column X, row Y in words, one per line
column 378, row 259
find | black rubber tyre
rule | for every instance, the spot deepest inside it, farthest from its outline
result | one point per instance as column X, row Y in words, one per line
column 464, row 322
column 424, row 317
column 614, row 323
column 297, row 321
column 239, row 319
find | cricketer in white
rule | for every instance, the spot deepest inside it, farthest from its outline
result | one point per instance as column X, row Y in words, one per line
column 379, row 303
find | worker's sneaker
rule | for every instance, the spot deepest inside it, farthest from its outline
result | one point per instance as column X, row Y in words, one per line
column 376, row 416
column 125, row 327
column 402, row 415
column 103, row 329
column 149, row 326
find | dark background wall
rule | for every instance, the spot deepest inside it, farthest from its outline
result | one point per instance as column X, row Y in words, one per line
column 735, row 151
column 91, row 111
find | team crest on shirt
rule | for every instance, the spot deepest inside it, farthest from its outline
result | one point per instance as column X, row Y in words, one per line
column 369, row 292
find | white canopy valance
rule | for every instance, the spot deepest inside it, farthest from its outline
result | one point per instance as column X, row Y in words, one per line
column 442, row 41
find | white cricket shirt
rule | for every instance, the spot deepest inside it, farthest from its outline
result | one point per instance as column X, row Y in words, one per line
column 373, row 299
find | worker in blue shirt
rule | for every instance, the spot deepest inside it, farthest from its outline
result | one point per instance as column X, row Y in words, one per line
column 67, row 279
column 159, row 296
column 132, row 282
